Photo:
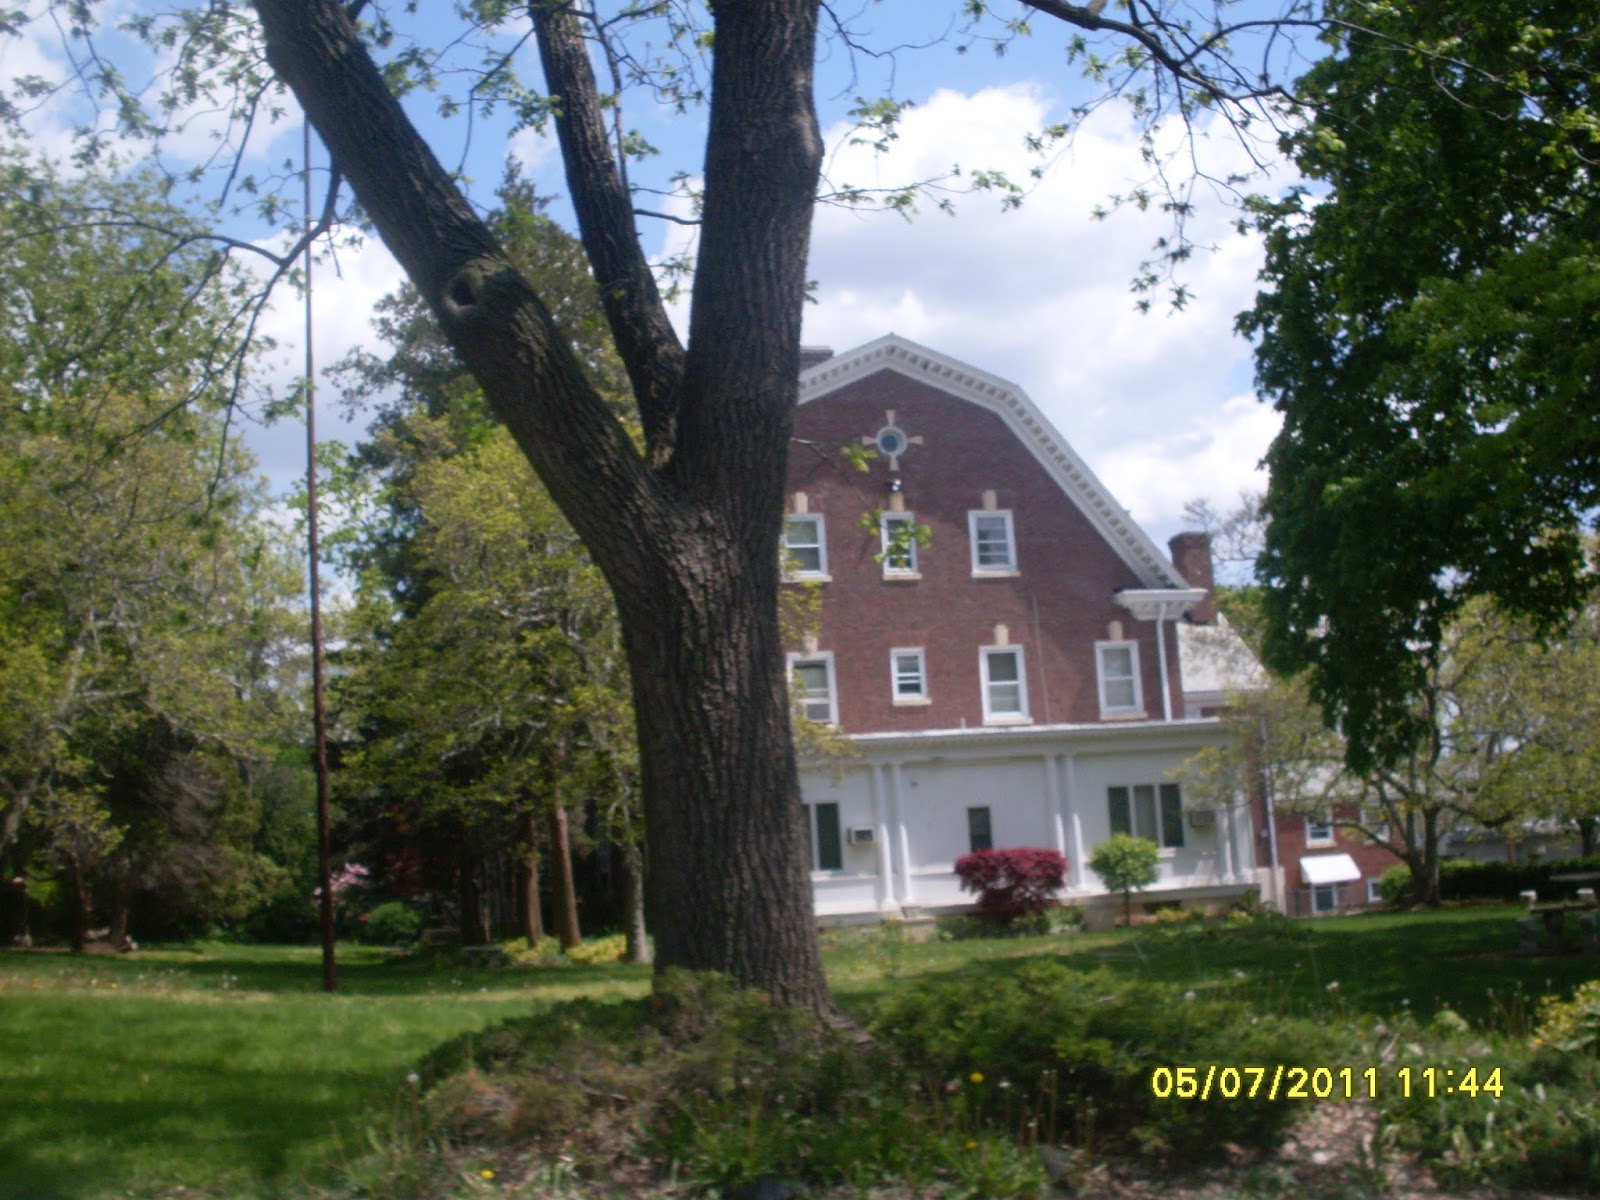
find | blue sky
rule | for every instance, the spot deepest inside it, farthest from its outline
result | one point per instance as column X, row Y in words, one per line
column 1160, row 405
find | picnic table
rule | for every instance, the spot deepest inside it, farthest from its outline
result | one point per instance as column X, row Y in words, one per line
column 1552, row 914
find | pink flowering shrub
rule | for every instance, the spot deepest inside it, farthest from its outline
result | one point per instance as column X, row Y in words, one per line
column 1013, row 883
column 347, row 877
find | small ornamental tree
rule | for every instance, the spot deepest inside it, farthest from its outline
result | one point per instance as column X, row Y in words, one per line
column 1125, row 863
column 1012, row 883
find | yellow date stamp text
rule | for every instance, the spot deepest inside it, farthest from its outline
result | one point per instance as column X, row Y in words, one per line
column 1215, row 1081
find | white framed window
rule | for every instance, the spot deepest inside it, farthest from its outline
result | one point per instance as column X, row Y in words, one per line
column 908, row 675
column 1319, row 829
column 898, row 531
column 811, row 684
column 1153, row 811
column 1118, row 668
column 994, row 544
column 1374, row 891
column 824, row 838
column 1374, row 821
column 805, row 544
column 1005, row 685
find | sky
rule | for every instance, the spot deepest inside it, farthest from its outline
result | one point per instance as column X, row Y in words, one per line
column 1159, row 404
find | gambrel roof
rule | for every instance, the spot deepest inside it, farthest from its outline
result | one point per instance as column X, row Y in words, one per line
column 1027, row 424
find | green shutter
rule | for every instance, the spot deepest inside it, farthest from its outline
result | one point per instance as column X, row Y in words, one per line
column 830, row 856
column 1171, row 815
column 1121, row 817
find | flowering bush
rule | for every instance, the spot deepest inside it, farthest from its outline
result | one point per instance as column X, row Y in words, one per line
column 348, row 877
column 1013, row 883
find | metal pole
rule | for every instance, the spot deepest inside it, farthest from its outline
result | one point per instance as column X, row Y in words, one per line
column 319, row 714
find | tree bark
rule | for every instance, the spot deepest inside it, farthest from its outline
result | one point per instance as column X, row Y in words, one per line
column 15, row 890
column 80, row 906
column 121, row 902
column 566, row 895
column 687, row 538
column 474, row 921
column 532, row 915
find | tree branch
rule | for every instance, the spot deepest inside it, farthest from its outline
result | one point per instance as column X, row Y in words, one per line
column 646, row 342
column 1181, row 64
column 488, row 312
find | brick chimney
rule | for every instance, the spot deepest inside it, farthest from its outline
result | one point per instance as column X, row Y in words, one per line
column 1191, row 554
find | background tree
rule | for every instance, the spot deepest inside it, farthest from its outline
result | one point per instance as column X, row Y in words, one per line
column 489, row 689
column 497, row 706
column 143, row 596
column 1540, row 694
column 1429, row 334
column 1125, row 864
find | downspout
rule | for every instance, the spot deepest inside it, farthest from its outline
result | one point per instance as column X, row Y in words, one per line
column 1272, row 819
column 1161, row 658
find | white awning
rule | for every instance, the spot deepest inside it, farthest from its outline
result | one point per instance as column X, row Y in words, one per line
column 1329, row 868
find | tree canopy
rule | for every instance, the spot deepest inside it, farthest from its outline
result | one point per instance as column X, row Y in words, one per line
column 1431, row 334
column 144, row 596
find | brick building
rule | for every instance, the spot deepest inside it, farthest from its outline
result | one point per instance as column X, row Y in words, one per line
column 999, row 641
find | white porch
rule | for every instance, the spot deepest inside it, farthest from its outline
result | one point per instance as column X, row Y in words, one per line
column 903, row 819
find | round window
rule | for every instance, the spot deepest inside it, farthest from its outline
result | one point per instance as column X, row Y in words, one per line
column 891, row 442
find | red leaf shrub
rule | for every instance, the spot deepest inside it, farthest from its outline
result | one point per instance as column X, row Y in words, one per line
column 1013, row 883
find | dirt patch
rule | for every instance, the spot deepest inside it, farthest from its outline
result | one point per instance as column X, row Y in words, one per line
column 1336, row 1151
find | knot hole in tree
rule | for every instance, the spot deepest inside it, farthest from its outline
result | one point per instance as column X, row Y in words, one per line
column 462, row 295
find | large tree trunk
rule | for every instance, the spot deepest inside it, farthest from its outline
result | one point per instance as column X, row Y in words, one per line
column 728, row 889
column 1587, row 827
column 687, row 533
column 565, row 908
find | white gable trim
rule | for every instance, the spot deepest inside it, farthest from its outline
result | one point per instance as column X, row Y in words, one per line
column 1023, row 418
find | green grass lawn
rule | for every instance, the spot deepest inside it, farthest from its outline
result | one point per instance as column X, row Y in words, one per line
column 224, row 1069
column 1382, row 963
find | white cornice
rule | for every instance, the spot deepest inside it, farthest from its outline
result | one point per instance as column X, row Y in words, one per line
column 1184, row 736
column 1022, row 416
column 1159, row 604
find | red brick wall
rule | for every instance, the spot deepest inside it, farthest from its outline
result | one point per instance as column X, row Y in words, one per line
column 1371, row 859
column 1056, row 609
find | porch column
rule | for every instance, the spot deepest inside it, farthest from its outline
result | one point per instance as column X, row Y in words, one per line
column 1067, row 773
column 1054, row 802
column 908, row 894
column 1230, row 871
column 881, row 826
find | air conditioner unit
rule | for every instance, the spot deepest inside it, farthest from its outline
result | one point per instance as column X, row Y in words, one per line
column 1202, row 818
column 859, row 837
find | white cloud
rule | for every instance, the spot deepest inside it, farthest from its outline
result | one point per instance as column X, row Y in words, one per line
column 1040, row 295
column 345, row 294
column 534, row 149
column 1158, row 404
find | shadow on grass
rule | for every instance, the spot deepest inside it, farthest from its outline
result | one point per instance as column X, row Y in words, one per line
column 361, row 970
column 1374, row 965
column 224, row 1069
